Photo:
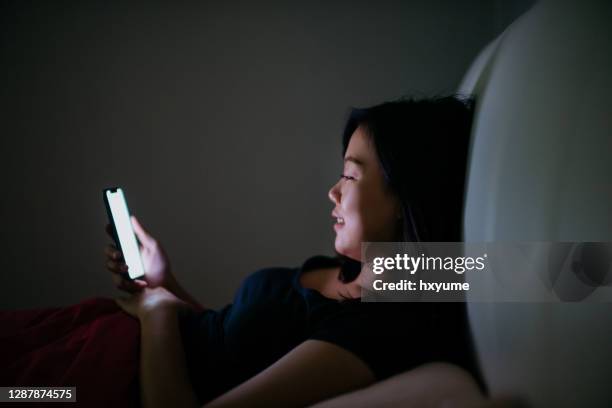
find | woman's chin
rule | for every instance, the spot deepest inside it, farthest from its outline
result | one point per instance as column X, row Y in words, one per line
column 347, row 251
column 339, row 248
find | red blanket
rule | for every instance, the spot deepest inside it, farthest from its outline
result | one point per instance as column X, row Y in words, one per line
column 92, row 345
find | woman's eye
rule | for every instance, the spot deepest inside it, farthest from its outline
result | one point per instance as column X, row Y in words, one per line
column 347, row 177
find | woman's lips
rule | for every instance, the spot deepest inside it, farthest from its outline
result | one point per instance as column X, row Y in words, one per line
column 339, row 220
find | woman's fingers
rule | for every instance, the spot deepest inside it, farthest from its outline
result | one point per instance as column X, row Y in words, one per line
column 117, row 267
column 119, row 282
column 109, row 231
column 117, row 279
column 113, row 253
column 127, row 285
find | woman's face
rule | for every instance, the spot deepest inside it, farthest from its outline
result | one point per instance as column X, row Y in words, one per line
column 366, row 210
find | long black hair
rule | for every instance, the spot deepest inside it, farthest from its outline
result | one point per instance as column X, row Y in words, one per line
column 422, row 146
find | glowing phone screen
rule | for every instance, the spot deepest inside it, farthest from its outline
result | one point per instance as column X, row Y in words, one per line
column 125, row 233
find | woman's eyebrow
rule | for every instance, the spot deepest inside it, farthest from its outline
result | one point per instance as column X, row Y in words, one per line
column 354, row 160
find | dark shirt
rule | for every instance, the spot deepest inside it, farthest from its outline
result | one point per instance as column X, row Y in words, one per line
column 272, row 313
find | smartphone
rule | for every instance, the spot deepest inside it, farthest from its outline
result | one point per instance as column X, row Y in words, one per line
column 123, row 234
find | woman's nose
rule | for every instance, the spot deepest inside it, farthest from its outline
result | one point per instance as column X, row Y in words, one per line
column 334, row 194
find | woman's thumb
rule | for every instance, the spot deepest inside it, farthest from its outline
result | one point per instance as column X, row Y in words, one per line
column 143, row 235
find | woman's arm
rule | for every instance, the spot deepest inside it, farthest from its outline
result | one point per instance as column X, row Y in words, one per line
column 311, row 372
column 164, row 379
column 430, row 385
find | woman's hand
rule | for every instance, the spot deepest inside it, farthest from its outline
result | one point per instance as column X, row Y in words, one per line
column 151, row 300
column 155, row 261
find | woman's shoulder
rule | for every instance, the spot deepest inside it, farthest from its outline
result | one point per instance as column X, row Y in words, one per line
column 268, row 276
column 272, row 278
column 312, row 262
column 319, row 261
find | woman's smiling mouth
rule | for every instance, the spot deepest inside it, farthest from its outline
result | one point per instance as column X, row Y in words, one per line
column 339, row 221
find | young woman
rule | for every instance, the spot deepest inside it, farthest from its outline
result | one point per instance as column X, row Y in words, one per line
column 299, row 336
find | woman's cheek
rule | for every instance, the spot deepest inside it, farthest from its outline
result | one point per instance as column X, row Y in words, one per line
column 357, row 232
column 355, row 236
column 348, row 238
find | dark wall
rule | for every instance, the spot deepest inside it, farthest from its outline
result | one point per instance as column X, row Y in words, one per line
column 221, row 121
